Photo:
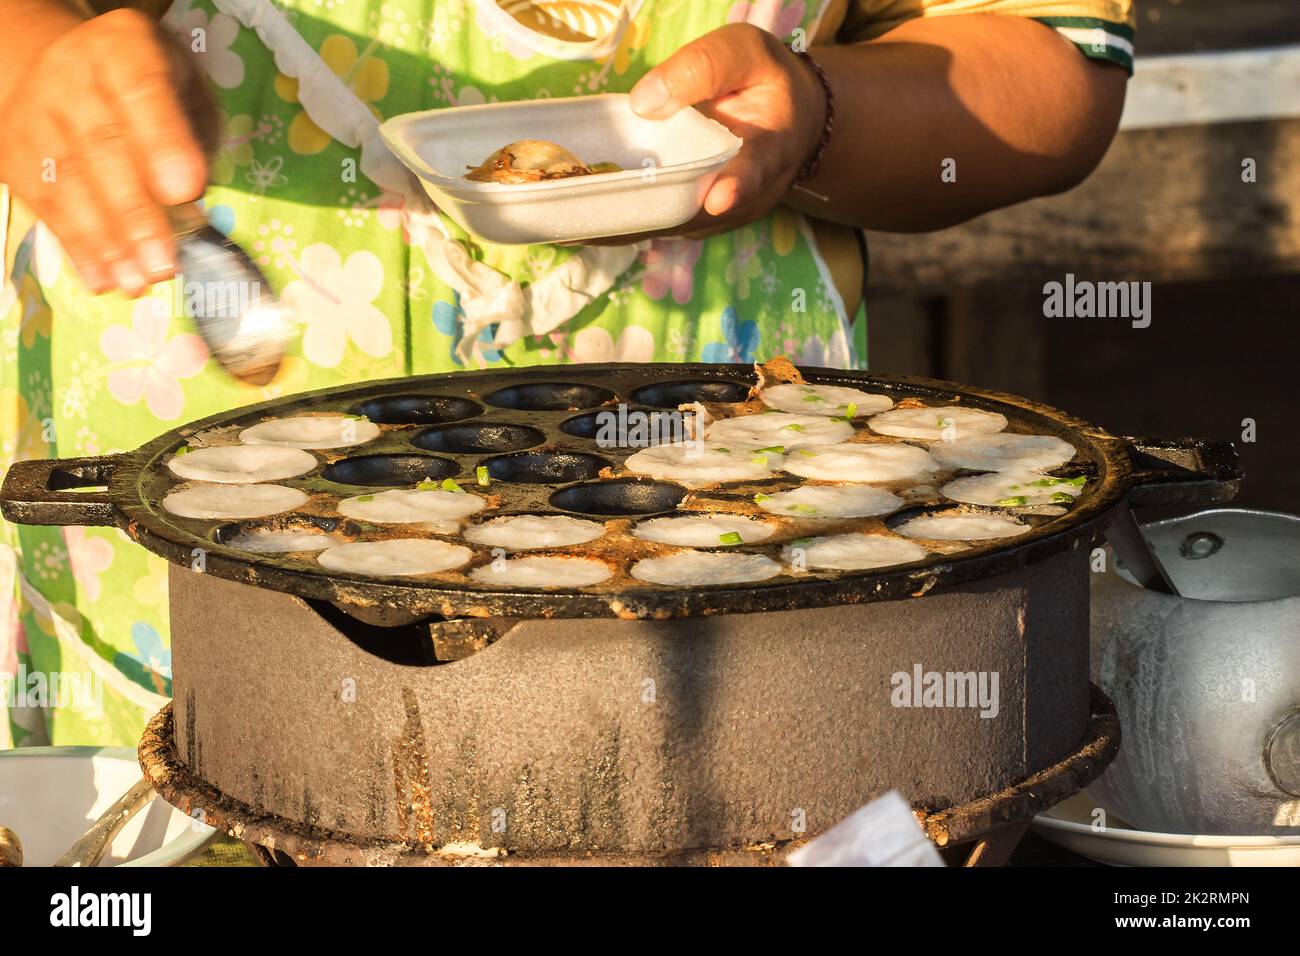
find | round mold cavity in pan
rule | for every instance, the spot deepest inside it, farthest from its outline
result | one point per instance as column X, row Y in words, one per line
column 549, row 396
column 546, row 467
column 633, row 428
column 417, row 409
column 340, row 528
column 471, row 438
column 672, row 394
column 620, row 496
column 389, row 470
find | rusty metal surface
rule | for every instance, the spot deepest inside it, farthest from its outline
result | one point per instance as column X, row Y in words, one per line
column 602, row 734
column 450, row 424
column 996, row 819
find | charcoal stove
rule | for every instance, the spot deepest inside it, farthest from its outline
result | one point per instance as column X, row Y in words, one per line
column 332, row 718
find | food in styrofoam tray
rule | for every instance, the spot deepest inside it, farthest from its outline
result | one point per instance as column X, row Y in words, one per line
column 532, row 161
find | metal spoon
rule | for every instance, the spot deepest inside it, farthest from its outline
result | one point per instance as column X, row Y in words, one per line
column 232, row 304
column 90, row 849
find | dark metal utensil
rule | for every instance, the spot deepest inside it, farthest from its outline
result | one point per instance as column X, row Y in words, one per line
column 232, row 304
column 1137, row 554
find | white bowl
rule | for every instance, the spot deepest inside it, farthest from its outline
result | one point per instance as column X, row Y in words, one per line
column 667, row 166
column 1069, row 824
column 50, row 796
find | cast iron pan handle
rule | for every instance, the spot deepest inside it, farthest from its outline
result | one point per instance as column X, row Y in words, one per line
column 37, row 491
column 1182, row 471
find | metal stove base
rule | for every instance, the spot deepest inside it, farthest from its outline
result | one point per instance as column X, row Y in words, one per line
column 981, row 832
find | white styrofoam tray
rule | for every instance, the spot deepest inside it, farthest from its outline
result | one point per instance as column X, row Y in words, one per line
column 667, row 166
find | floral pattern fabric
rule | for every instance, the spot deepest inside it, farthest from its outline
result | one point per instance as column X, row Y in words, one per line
column 83, row 375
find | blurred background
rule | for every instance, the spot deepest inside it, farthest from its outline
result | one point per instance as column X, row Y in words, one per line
column 1216, row 84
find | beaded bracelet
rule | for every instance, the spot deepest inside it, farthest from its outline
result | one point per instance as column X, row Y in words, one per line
column 810, row 168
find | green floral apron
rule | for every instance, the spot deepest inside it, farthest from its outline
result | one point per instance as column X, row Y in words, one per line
column 381, row 286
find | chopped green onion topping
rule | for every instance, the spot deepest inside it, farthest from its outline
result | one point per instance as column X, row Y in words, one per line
column 760, row 497
column 449, row 485
column 1016, row 502
column 1078, row 481
column 481, row 475
column 805, row 453
column 805, row 510
column 355, row 417
column 773, row 450
column 731, row 537
column 725, row 451
column 944, row 422
column 813, row 398
column 793, row 426
column 427, row 486
column 1063, row 498
column 183, row 450
column 850, row 409
column 365, row 498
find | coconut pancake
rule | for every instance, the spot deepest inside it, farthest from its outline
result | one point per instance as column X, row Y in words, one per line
column 242, row 464
column 961, row 527
column 859, row 462
column 777, row 430
column 804, row 399
column 831, row 501
column 1004, row 452
column 710, row 530
column 702, row 463
column 705, row 568
column 311, row 431
column 407, row 505
column 852, row 552
column 1013, row 489
column 400, row 556
column 211, row 501
column 941, row 423
column 522, row 532
column 540, row 571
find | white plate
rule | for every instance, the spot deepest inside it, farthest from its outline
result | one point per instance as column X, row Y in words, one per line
column 50, row 796
column 667, row 166
column 1069, row 824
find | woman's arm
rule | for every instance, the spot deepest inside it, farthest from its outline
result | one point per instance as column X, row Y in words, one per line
column 1015, row 107
column 1019, row 111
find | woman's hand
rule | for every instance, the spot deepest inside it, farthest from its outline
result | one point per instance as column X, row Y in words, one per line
column 97, row 142
column 750, row 82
